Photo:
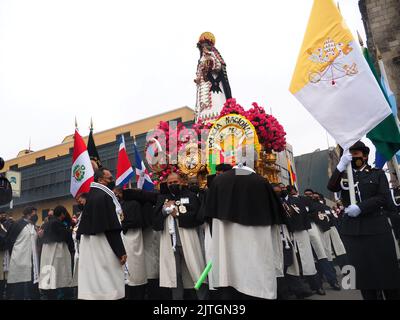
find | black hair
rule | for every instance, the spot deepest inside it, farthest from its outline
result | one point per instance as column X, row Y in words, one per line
column 28, row 210
column 83, row 195
column 223, row 167
column 59, row 210
column 308, row 190
column 99, row 173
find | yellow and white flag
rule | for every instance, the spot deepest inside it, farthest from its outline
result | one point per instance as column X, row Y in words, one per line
column 333, row 80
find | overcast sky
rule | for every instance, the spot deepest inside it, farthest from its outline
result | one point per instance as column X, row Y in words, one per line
column 121, row 61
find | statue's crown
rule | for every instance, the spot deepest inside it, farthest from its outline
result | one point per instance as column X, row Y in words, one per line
column 207, row 37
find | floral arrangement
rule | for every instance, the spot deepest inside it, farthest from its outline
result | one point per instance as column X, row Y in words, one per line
column 270, row 132
column 161, row 176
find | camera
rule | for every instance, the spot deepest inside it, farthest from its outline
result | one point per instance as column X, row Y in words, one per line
column 5, row 187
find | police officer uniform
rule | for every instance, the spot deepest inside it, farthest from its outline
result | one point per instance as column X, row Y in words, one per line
column 367, row 236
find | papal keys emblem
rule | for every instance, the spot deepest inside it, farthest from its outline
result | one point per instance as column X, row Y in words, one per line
column 79, row 172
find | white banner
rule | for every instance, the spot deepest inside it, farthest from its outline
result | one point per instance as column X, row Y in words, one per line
column 15, row 180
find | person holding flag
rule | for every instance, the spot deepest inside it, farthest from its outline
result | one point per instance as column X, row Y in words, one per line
column 334, row 83
column 365, row 231
column 132, row 225
column 148, row 246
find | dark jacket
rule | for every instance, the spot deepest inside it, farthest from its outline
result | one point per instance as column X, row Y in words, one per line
column 296, row 217
column 185, row 220
column 133, row 216
column 147, row 200
column 372, row 195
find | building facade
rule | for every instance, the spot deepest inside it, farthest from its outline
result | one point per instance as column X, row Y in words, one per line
column 315, row 169
column 46, row 174
column 282, row 164
column 381, row 20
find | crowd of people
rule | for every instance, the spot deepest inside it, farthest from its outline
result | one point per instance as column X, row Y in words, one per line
column 265, row 241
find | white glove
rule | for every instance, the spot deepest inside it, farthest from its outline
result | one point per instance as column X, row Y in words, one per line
column 344, row 161
column 352, row 210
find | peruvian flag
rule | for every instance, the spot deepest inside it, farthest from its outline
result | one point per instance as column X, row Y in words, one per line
column 124, row 167
column 82, row 174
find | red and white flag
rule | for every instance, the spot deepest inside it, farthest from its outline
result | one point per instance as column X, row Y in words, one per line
column 82, row 173
column 124, row 167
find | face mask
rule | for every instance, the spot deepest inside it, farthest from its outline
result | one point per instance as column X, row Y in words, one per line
column 174, row 188
column 81, row 207
column 34, row 218
column 3, row 219
column 283, row 194
column 111, row 185
column 194, row 188
column 357, row 162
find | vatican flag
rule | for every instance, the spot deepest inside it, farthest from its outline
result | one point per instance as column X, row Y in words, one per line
column 333, row 80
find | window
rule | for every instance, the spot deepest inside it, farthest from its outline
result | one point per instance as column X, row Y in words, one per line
column 40, row 159
column 53, row 177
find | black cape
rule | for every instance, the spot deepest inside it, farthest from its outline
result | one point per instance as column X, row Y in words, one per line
column 99, row 214
column 55, row 231
column 322, row 221
column 133, row 215
column 297, row 216
column 147, row 200
column 13, row 233
column 244, row 198
column 186, row 220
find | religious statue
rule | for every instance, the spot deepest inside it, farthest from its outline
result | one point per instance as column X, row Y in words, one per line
column 211, row 79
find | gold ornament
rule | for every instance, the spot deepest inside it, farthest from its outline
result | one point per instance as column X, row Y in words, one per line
column 207, row 36
column 189, row 162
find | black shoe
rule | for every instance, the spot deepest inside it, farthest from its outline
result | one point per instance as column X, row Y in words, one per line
column 336, row 287
column 304, row 294
column 321, row 292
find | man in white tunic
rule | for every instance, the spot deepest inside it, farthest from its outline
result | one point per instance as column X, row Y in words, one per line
column 5, row 224
column 56, row 260
column 245, row 247
column 181, row 258
column 102, row 253
column 23, row 274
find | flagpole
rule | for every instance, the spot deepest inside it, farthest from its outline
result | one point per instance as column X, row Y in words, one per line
column 351, row 184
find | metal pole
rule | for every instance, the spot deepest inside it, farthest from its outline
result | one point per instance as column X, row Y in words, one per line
column 351, row 184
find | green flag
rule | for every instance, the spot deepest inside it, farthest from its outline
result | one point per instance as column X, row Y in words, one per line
column 385, row 136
